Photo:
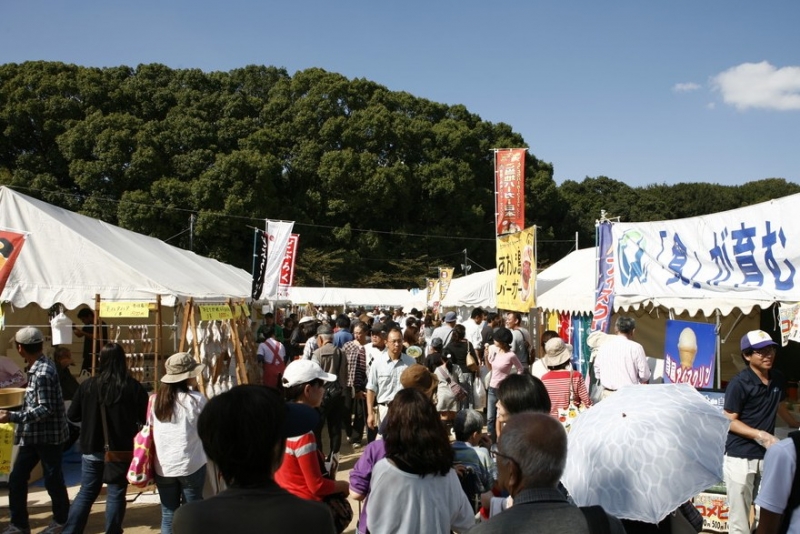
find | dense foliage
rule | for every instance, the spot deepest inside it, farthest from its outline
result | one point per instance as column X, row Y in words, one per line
column 383, row 186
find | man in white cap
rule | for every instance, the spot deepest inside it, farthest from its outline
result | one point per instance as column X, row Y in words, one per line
column 752, row 399
column 41, row 432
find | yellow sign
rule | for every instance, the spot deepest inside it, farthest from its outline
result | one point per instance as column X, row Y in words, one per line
column 125, row 309
column 6, row 447
column 241, row 310
column 516, row 271
column 215, row 312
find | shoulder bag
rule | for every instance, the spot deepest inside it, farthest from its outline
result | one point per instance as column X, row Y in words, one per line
column 116, row 462
column 140, row 468
column 566, row 416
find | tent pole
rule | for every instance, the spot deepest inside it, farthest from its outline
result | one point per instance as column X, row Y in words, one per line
column 718, row 378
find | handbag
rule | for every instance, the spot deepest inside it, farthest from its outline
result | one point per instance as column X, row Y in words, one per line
column 455, row 388
column 472, row 363
column 115, row 462
column 341, row 509
column 140, row 472
column 566, row 416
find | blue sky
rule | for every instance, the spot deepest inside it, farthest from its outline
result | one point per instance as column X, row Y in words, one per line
column 642, row 92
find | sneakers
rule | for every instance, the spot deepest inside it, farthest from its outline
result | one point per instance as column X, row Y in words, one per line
column 14, row 529
column 53, row 528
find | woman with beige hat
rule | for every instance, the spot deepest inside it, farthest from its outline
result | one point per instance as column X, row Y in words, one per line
column 180, row 463
column 562, row 383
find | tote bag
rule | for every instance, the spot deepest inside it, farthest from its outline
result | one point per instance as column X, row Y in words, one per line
column 140, row 471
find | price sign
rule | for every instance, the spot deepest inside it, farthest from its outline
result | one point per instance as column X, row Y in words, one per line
column 125, row 309
column 215, row 312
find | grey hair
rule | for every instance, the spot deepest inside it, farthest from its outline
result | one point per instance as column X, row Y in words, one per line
column 326, row 337
column 466, row 423
column 541, row 454
column 625, row 325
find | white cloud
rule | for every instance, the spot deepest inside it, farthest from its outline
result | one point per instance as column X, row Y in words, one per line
column 687, row 87
column 760, row 86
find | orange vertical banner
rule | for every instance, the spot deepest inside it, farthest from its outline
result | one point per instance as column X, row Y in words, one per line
column 509, row 182
column 10, row 246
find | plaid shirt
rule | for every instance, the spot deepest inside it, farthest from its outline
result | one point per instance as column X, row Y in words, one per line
column 356, row 365
column 42, row 419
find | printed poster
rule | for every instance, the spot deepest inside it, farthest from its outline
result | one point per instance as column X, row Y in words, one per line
column 510, row 190
column 516, row 271
column 287, row 268
column 790, row 323
column 690, row 353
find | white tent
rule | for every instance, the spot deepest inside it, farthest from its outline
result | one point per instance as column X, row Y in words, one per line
column 70, row 258
column 348, row 296
column 569, row 284
column 472, row 291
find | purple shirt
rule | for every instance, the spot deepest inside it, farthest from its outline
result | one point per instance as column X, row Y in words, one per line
column 361, row 476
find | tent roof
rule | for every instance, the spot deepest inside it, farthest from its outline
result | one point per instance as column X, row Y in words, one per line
column 349, row 296
column 70, row 258
column 472, row 291
column 569, row 284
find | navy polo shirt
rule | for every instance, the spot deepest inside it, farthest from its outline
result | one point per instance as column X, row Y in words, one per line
column 757, row 405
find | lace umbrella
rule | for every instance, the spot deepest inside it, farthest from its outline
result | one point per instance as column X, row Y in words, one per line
column 645, row 450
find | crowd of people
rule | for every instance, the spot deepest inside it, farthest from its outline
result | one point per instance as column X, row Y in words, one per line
column 405, row 391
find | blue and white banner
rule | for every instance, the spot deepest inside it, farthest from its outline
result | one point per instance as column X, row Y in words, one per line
column 752, row 251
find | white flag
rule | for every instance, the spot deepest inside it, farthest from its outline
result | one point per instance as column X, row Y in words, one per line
column 278, row 233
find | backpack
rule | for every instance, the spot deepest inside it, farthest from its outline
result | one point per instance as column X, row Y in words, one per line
column 333, row 390
column 273, row 372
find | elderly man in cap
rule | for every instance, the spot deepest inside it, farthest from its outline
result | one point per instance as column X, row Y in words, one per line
column 41, row 432
column 444, row 332
column 752, row 399
column 334, row 361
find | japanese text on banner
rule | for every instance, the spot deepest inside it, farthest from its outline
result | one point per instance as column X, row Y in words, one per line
column 516, row 271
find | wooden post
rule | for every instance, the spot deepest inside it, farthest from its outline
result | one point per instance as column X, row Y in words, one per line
column 241, row 370
column 157, row 346
column 196, row 349
column 96, row 329
column 185, row 324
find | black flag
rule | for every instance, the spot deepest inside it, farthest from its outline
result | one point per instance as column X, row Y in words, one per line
column 260, row 267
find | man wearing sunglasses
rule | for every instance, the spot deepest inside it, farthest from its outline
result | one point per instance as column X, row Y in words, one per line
column 752, row 400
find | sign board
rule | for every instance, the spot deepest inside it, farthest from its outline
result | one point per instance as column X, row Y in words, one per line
column 125, row 309
column 215, row 312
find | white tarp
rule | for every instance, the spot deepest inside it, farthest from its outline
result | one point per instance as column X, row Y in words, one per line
column 349, row 296
column 735, row 259
column 569, row 284
column 70, row 258
column 471, row 291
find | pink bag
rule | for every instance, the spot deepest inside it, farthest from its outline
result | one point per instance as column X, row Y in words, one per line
column 141, row 472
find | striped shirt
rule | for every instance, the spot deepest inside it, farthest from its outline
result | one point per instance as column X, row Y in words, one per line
column 356, row 365
column 557, row 384
column 301, row 471
column 42, row 419
column 621, row 362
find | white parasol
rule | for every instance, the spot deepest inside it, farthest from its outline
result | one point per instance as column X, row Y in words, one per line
column 645, row 450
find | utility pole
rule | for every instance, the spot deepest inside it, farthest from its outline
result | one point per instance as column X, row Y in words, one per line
column 466, row 266
column 191, row 232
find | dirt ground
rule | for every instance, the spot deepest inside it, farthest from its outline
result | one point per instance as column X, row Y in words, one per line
column 143, row 515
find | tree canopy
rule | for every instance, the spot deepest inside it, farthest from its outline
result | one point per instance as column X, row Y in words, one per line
column 383, row 186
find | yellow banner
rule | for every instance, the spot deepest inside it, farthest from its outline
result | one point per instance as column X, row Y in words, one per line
column 215, row 312
column 516, row 271
column 125, row 309
column 431, row 287
column 241, row 310
column 445, row 277
column 6, row 447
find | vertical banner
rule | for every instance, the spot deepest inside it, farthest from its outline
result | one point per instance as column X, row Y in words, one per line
column 509, row 169
column 516, row 273
column 287, row 268
column 445, row 277
column 278, row 233
column 10, row 247
column 604, row 294
column 260, row 265
column 430, row 284
column 690, row 353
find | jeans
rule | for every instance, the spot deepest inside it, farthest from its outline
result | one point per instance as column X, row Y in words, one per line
column 91, row 483
column 170, row 490
column 27, row 458
column 491, row 413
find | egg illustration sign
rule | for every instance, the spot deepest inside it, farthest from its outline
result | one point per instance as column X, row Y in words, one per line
column 689, row 354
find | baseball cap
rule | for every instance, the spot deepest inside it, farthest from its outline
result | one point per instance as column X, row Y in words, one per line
column 756, row 339
column 437, row 343
column 303, row 372
column 29, row 336
column 450, row 317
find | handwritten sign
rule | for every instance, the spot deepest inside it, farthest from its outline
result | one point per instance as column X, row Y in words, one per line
column 242, row 310
column 714, row 509
column 6, row 447
column 215, row 312
column 125, row 309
